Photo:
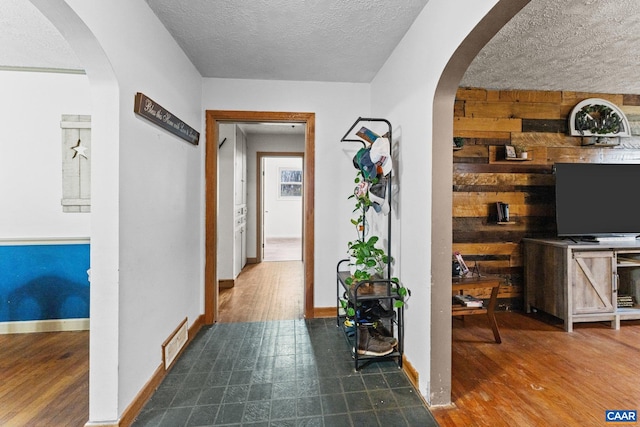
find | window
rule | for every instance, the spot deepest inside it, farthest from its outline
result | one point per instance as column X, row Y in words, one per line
column 290, row 183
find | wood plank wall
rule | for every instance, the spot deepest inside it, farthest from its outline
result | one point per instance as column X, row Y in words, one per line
column 488, row 120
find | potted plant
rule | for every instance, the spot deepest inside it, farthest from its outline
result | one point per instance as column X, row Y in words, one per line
column 367, row 261
column 521, row 151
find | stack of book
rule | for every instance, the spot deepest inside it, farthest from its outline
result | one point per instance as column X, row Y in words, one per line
column 467, row 300
column 625, row 301
column 503, row 211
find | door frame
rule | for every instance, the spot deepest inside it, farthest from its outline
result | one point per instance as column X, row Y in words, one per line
column 260, row 156
column 213, row 118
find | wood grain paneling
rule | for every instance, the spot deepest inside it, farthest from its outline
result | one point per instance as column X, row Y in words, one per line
column 487, row 120
column 486, row 124
column 511, row 96
column 572, row 98
column 507, row 110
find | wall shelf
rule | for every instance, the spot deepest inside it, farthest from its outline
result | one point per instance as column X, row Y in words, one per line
column 537, row 156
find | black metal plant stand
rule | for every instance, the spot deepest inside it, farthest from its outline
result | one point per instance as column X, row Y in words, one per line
column 379, row 290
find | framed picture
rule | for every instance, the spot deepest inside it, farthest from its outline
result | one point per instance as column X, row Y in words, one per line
column 464, row 270
column 510, row 151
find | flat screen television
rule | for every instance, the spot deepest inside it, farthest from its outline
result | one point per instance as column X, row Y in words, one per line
column 597, row 201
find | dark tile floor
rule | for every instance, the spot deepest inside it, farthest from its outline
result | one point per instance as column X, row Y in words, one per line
column 281, row 373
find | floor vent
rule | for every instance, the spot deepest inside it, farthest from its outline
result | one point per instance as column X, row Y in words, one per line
column 172, row 346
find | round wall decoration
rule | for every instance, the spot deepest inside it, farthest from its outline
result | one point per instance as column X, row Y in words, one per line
column 598, row 117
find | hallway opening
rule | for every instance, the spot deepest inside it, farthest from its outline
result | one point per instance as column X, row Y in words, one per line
column 213, row 297
column 280, row 204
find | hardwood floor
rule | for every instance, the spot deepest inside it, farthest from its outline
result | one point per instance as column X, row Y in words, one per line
column 44, row 379
column 282, row 249
column 264, row 291
column 541, row 375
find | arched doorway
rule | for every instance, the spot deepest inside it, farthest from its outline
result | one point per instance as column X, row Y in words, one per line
column 103, row 347
column 442, row 181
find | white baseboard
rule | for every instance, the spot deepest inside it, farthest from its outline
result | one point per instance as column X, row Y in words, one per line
column 54, row 325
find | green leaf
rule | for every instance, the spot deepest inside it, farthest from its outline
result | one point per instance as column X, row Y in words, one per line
column 398, row 304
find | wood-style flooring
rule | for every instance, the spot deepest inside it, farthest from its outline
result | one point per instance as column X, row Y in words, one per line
column 44, row 379
column 264, row 291
column 541, row 375
column 282, row 249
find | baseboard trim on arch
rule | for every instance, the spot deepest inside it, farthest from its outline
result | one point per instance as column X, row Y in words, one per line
column 53, row 325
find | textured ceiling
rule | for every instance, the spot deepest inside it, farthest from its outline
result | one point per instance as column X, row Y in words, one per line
column 579, row 45
column 28, row 40
column 317, row 40
column 575, row 45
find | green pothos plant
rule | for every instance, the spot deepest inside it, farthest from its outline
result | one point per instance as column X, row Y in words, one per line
column 363, row 203
column 366, row 257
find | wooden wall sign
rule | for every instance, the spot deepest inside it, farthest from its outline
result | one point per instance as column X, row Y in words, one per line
column 152, row 111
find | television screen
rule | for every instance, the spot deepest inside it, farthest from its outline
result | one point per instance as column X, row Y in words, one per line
column 594, row 199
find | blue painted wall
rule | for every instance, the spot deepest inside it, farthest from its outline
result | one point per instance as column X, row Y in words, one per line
column 41, row 282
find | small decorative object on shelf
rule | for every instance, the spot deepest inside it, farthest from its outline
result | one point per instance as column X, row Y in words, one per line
column 467, row 300
column 599, row 122
column 457, row 259
column 502, row 212
column 516, row 152
column 458, row 143
column 521, row 151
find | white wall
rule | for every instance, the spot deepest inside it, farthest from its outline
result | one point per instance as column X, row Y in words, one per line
column 31, row 106
column 282, row 217
column 336, row 106
column 403, row 92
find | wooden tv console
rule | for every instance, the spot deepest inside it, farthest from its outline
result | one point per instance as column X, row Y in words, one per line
column 582, row 281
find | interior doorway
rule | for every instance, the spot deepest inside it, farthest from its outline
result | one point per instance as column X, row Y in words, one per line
column 280, row 225
column 214, row 119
